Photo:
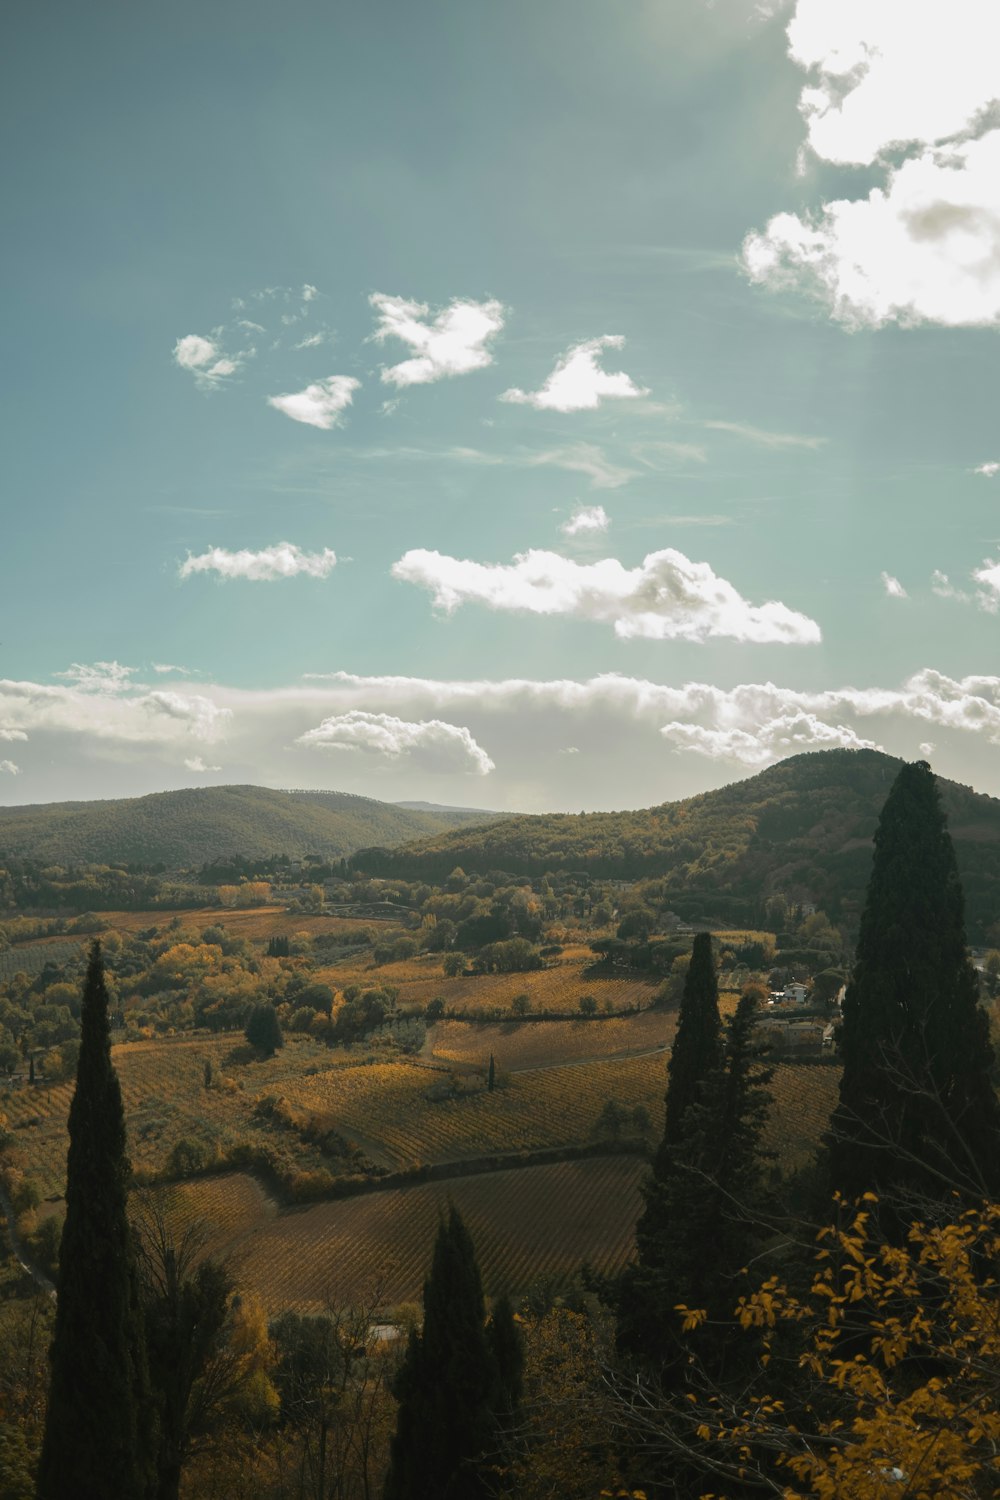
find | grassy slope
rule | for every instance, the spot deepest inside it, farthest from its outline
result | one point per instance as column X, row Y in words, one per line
column 191, row 827
column 803, row 826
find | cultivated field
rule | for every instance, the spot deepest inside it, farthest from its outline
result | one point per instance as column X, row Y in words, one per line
column 537, row 1221
column 31, row 958
column 540, row 1044
column 558, row 987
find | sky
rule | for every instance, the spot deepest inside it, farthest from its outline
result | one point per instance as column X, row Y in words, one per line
column 548, row 405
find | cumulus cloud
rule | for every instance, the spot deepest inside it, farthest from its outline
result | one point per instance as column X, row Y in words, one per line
column 667, row 597
column 763, row 712
column 914, row 91
column 989, row 470
column 432, row 744
column 10, row 768
column 893, row 587
column 283, row 560
column 321, row 404
column 12, row 734
column 101, row 704
column 455, row 341
column 587, row 520
column 578, row 383
column 988, row 579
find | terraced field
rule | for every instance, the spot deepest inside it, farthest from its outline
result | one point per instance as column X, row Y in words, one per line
column 525, row 1224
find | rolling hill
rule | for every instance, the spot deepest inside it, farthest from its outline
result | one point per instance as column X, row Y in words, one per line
column 189, row 828
column 802, row 827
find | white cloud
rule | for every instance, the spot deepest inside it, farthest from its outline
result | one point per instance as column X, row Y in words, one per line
column 668, row 597
column 587, row 520
column 454, row 342
column 10, row 735
column 912, row 89
column 893, row 587
column 988, row 578
column 312, row 342
column 205, row 360
column 583, row 458
column 886, row 72
column 197, row 763
column 578, row 383
column 99, row 676
column 10, row 768
column 283, row 560
column 321, row 404
column 432, row 744
column 166, row 666
column 788, row 733
column 765, row 439
column 989, row 471
column 926, row 748
column 102, row 705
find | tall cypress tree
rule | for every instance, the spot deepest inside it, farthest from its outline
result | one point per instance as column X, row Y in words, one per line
column 92, row 1449
column 699, row 1224
column 697, row 1048
column 917, row 1111
column 448, row 1383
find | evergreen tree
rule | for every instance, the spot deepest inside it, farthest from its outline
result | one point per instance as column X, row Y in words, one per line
column 96, row 1418
column 447, row 1384
column 507, row 1349
column 263, row 1030
column 917, row 1112
column 700, row 1223
column 697, row 1048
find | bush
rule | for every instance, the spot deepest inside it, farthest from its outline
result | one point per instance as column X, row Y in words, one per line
column 588, row 1005
column 435, row 1008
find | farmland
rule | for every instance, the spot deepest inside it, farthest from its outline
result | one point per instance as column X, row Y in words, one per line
column 533, row 1222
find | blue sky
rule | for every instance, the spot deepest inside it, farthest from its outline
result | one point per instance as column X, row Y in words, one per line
column 557, row 405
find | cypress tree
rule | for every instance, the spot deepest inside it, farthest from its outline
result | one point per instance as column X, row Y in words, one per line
column 699, row 1225
column 447, row 1384
column 95, row 1421
column 917, row 1111
column 697, row 1048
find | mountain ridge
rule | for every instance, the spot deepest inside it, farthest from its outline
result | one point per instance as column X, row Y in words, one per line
column 195, row 825
column 802, row 828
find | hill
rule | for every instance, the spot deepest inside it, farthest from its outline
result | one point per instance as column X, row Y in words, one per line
column 802, row 828
column 200, row 824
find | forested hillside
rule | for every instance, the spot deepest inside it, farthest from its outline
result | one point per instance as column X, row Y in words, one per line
column 201, row 824
column 802, row 828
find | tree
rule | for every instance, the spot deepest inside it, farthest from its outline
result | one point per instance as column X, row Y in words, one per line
column 491, row 1075
column 917, row 1111
column 701, row 1218
column 97, row 1418
column 697, row 1048
column 447, row 1384
column 185, row 1303
column 263, row 1030
column 913, row 1411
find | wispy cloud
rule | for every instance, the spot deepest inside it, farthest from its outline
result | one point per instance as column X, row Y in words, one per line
column 204, row 359
column 988, row 470
column 452, row 341
column 668, row 597
column 283, row 560
column 197, row 763
column 763, row 438
column 10, row 735
column 578, row 383
column 588, row 520
column 892, row 586
column 321, row 404
column 10, row 768
column 432, row 744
